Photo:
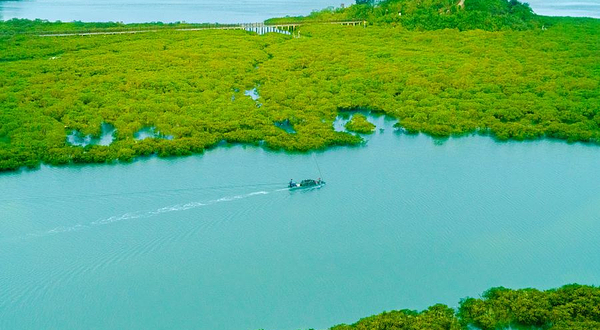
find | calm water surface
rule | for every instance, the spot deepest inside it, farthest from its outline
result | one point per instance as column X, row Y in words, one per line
column 214, row 242
column 223, row 11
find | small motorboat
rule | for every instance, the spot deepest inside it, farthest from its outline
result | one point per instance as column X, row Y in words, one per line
column 307, row 183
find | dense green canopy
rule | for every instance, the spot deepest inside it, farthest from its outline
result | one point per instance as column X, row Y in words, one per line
column 190, row 85
column 574, row 307
column 360, row 124
column 490, row 15
column 570, row 307
column 438, row 317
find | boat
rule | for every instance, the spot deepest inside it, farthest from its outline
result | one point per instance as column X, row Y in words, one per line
column 307, row 183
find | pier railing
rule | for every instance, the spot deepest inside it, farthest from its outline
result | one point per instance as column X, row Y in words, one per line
column 261, row 28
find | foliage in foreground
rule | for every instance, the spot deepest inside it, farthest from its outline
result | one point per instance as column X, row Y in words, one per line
column 570, row 307
column 438, row 317
column 190, row 85
column 575, row 307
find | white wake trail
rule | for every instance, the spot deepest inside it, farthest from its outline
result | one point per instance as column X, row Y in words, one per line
column 174, row 208
column 147, row 214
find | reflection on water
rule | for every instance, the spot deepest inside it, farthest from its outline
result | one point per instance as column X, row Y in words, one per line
column 150, row 133
column 285, row 125
column 379, row 120
column 253, row 93
column 76, row 138
column 228, row 11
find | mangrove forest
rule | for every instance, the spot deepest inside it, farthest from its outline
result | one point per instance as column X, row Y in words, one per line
column 439, row 67
column 571, row 307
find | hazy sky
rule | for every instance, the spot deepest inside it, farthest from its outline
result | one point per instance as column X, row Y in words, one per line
column 223, row 11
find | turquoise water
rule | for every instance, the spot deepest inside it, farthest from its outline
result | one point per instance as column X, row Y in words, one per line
column 226, row 11
column 215, row 242
column 587, row 8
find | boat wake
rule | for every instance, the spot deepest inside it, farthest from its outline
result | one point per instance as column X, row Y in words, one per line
column 148, row 214
column 174, row 208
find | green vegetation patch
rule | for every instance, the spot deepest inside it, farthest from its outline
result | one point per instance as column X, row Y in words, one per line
column 38, row 26
column 189, row 85
column 360, row 124
column 489, row 15
column 438, row 317
column 575, row 307
column 570, row 307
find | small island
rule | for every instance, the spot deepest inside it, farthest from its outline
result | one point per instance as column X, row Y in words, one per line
column 360, row 124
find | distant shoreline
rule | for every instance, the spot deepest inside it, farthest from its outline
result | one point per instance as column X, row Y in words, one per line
column 543, row 8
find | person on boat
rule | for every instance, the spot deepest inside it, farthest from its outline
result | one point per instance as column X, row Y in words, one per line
column 292, row 183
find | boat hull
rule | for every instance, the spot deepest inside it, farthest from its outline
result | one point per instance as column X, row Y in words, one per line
column 307, row 185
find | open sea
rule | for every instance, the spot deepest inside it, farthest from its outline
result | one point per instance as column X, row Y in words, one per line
column 211, row 11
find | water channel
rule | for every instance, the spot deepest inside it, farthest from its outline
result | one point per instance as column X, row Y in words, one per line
column 215, row 241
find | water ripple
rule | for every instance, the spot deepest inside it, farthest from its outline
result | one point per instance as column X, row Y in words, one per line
column 146, row 214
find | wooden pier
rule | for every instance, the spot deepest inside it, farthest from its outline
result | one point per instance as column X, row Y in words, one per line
column 260, row 28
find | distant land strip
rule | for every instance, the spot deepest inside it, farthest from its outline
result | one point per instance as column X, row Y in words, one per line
column 242, row 26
